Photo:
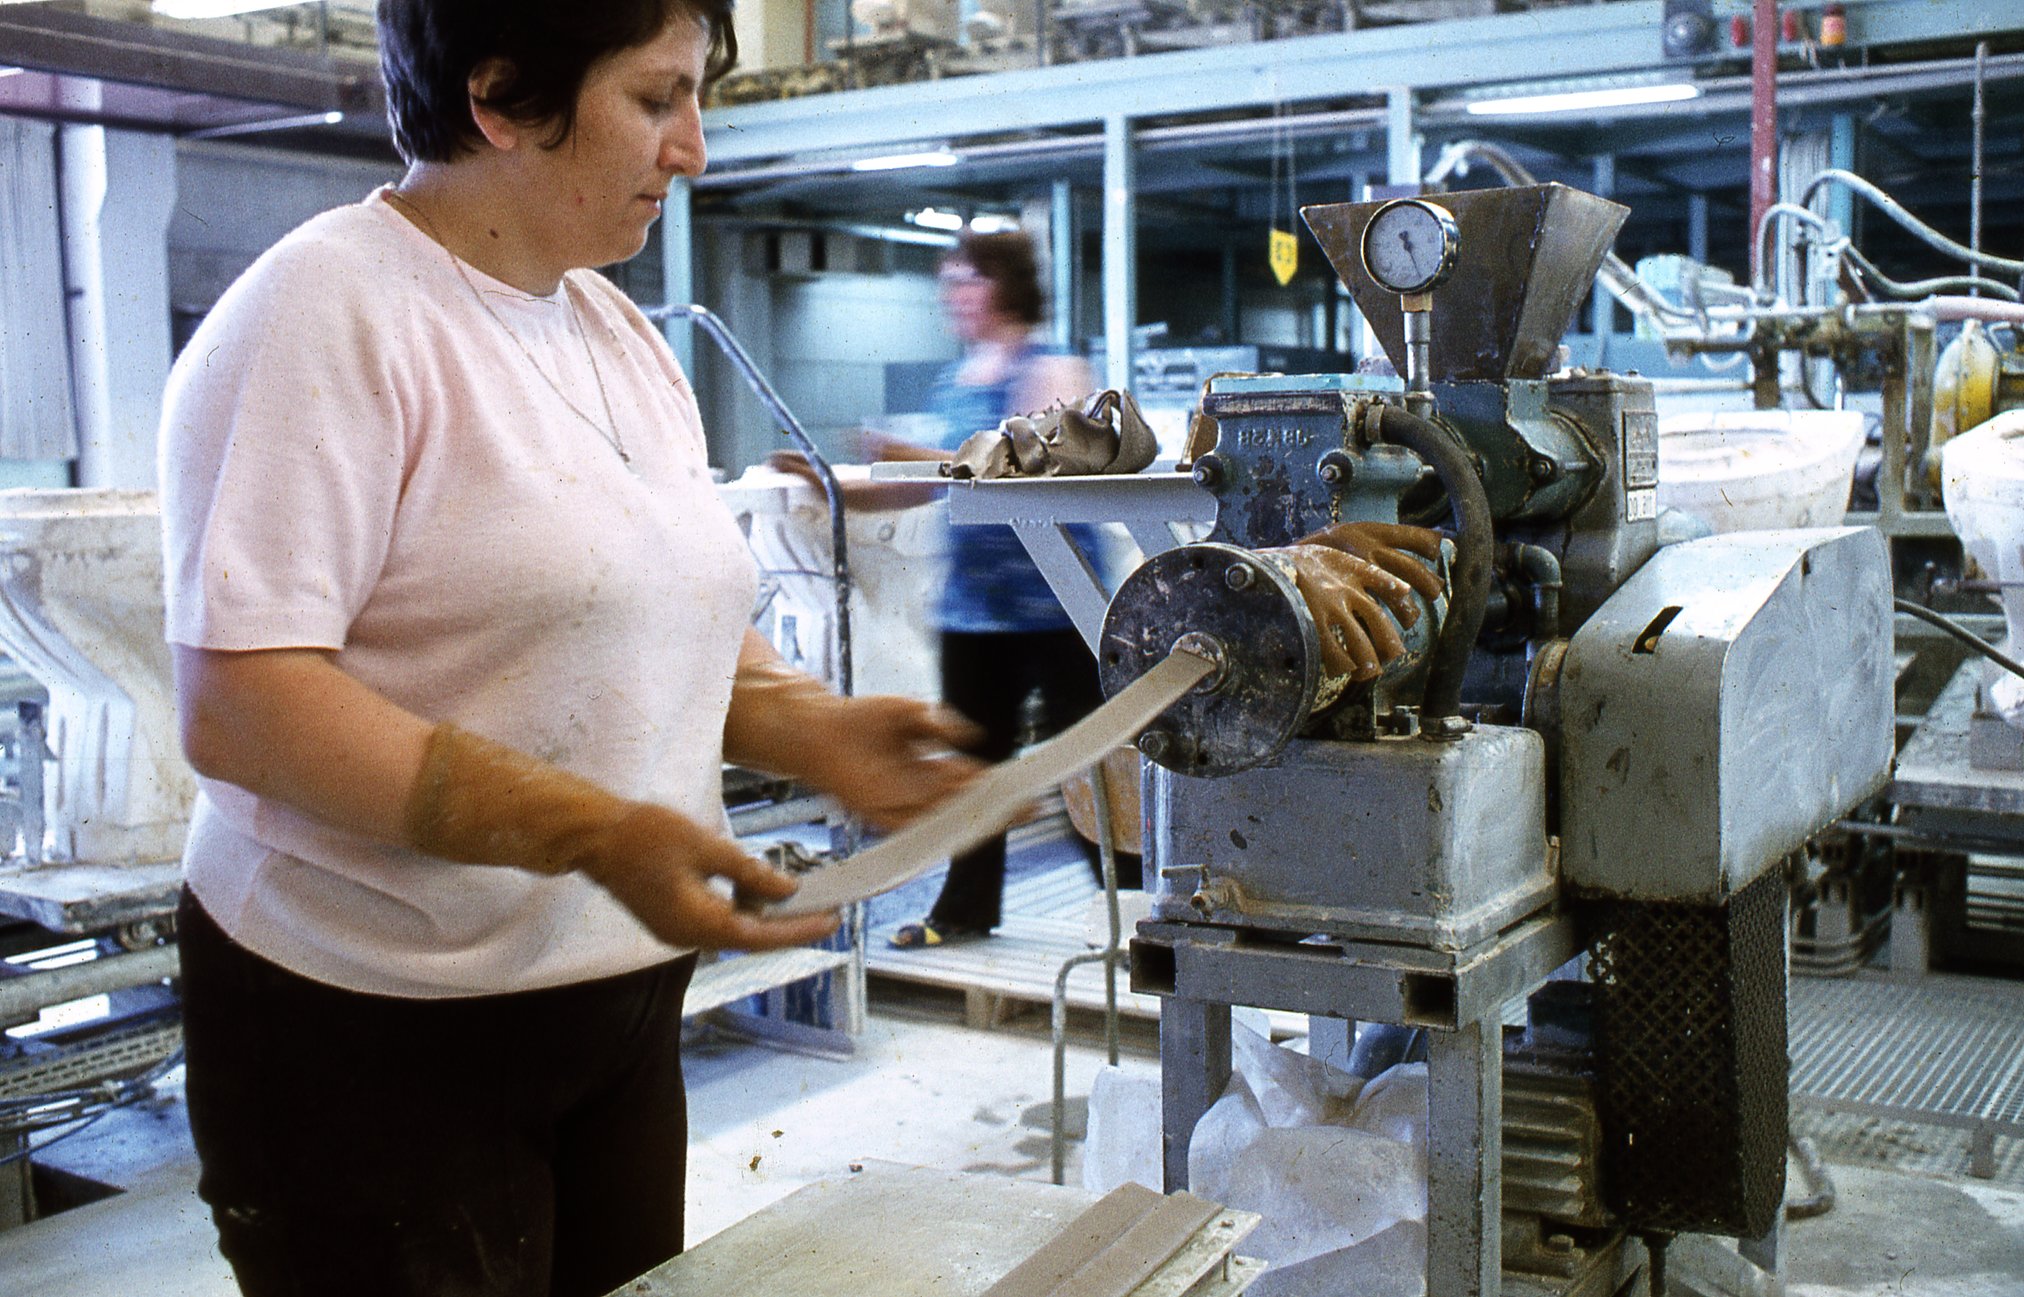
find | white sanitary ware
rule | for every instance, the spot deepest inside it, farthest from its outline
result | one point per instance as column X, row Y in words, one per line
column 1982, row 479
column 81, row 611
column 895, row 569
column 1754, row 469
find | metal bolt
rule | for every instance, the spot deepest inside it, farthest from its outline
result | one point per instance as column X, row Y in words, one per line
column 1445, row 727
column 1543, row 469
column 1208, row 472
column 1239, row 576
column 1336, row 468
column 1155, row 744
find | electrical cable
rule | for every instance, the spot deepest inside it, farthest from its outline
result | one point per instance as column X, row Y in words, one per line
column 1961, row 633
column 124, row 1094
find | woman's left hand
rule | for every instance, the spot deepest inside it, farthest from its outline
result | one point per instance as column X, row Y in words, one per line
column 887, row 759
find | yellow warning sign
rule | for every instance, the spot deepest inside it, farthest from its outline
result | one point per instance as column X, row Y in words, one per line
column 1283, row 251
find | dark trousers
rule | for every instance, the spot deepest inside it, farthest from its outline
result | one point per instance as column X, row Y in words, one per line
column 531, row 1144
column 986, row 675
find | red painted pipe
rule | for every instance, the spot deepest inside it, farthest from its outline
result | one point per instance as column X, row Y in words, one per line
column 1763, row 120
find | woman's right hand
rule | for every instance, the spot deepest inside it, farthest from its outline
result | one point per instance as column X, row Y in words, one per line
column 481, row 802
column 660, row 865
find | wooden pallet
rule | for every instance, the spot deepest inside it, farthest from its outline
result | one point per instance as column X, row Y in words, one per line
column 1046, row 922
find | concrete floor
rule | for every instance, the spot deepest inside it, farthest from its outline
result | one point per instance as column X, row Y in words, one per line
column 925, row 1090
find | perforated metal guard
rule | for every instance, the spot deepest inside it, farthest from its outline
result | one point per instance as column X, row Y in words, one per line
column 1691, row 1032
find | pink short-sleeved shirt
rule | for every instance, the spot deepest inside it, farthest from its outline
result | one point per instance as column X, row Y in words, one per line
column 357, row 455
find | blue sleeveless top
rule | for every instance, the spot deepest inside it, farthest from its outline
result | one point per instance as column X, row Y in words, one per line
column 992, row 585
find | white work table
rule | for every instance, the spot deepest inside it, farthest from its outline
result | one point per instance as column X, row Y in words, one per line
column 895, row 1231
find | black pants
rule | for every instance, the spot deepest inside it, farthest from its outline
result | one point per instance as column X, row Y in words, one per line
column 986, row 675
column 523, row 1145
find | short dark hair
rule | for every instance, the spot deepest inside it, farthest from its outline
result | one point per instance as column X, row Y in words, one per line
column 1006, row 259
column 429, row 48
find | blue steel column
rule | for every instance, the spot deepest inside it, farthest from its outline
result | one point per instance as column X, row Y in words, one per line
column 1697, row 225
column 678, row 270
column 1602, row 306
column 1841, row 154
column 1061, row 261
column 1120, row 251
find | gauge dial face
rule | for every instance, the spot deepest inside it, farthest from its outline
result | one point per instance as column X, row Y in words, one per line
column 1409, row 245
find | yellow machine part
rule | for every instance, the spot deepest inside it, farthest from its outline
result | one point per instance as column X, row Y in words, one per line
column 1973, row 382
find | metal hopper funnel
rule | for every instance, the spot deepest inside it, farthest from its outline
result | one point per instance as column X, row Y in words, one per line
column 1526, row 256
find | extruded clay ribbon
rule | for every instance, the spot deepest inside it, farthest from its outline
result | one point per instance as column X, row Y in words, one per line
column 987, row 805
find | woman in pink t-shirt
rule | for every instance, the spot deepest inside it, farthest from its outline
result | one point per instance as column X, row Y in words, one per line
column 461, row 641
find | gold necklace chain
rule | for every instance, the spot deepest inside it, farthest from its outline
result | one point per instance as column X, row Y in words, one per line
column 611, row 434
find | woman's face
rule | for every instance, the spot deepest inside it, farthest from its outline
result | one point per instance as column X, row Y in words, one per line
column 638, row 127
column 968, row 299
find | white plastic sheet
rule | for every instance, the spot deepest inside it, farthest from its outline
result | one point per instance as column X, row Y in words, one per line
column 1337, row 1168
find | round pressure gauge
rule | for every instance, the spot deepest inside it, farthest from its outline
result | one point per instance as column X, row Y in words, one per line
column 1409, row 245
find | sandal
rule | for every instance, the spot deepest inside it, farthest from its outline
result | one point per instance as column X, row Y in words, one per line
column 931, row 932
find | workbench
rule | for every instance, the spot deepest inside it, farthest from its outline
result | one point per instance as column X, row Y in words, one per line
column 894, row 1231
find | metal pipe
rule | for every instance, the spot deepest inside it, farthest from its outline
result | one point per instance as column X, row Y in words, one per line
column 23, row 997
column 1060, row 1027
column 1926, row 234
column 1469, row 588
column 1106, row 855
column 1763, row 120
column 1974, row 308
column 1541, row 569
column 1761, row 255
column 707, row 320
column 1980, row 117
column 1419, row 336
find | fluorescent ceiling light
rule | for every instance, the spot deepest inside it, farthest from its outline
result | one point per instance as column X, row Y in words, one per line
column 216, row 8
column 1567, row 101
column 901, row 161
column 993, row 223
column 296, row 122
column 933, row 219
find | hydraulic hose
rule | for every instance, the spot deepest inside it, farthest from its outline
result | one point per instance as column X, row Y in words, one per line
column 1919, row 288
column 1469, row 586
column 1926, row 234
column 1615, row 275
column 1961, row 633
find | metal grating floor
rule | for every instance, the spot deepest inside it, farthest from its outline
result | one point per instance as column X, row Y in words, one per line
column 1939, row 1051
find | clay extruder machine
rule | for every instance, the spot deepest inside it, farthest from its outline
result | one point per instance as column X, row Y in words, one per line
column 1594, row 746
